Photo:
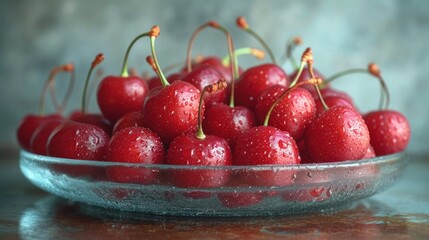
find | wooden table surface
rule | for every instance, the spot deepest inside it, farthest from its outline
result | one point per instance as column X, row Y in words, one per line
column 401, row 212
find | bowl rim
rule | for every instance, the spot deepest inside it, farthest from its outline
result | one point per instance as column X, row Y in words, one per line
column 307, row 166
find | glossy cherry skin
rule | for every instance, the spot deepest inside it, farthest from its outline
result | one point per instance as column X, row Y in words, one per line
column 330, row 92
column 131, row 119
column 228, row 122
column 117, row 96
column 134, row 145
column 216, row 63
column 173, row 110
column 339, row 134
column 292, row 114
column 331, row 101
column 28, row 125
column 96, row 120
column 78, row 141
column 190, row 151
column 370, row 153
column 266, row 145
column 255, row 80
column 389, row 130
column 40, row 137
column 202, row 76
column 154, row 82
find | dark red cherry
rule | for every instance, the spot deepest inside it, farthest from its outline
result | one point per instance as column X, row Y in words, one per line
column 389, row 130
column 118, row 95
column 29, row 125
column 266, row 145
column 192, row 151
column 216, row 63
column 135, row 145
column 204, row 75
column 331, row 101
column 293, row 113
column 131, row 119
column 172, row 111
column 78, row 141
column 255, row 80
column 339, row 134
column 154, row 82
column 39, row 140
column 96, row 120
column 200, row 150
column 228, row 122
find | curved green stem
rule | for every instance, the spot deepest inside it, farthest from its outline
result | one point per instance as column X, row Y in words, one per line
column 316, row 86
column 191, row 43
column 85, row 90
column 161, row 76
column 263, row 43
column 295, row 80
column 124, row 71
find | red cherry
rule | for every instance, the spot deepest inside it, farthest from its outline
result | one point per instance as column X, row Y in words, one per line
column 154, row 82
column 331, row 101
column 339, row 134
column 171, row 110
column 29, row 124
column 134, row 145
column 255, row 80
column 191, row 151
column 228, row 122
column 266, row 145
column 303, row 153
column 331, row 92
column 292, row 114
column 217, row 63
column 39, row 140
column 118, row 95
column 200, row 150
column 389, row 131
column 96, row 120
column 131, row 119
column 202, row 76
column 77, row 141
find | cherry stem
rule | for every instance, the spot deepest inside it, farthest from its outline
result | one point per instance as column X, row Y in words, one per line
column 217, row 86
column 153, row 34
column 310, row 68
column 259, row 54
column 124, row 72
column 50, row 84
column 98, row 74
column 374, row 70
column 60, row 107
column 191, row 43
column 97, row 60
column 313, row 81
column 242, row 24
column 232, row 57
column 306, row 57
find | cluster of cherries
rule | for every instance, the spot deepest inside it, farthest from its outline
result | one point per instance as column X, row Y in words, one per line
column 213, row 113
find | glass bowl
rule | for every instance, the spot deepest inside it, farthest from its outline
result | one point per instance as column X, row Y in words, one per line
column 213, row 191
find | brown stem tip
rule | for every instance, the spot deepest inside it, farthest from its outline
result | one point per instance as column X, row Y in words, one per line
column 242, row 22
column 374, row 69
column 219, row 85
column 213, row 24
column 297, row 40
column 151, row 62
column 155, row 31
column 307, row 56
column 97, row 60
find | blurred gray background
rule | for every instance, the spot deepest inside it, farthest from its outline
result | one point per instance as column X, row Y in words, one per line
column 37, row 35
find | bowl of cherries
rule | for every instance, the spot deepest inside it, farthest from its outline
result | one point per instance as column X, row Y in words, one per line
column 213, row 139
